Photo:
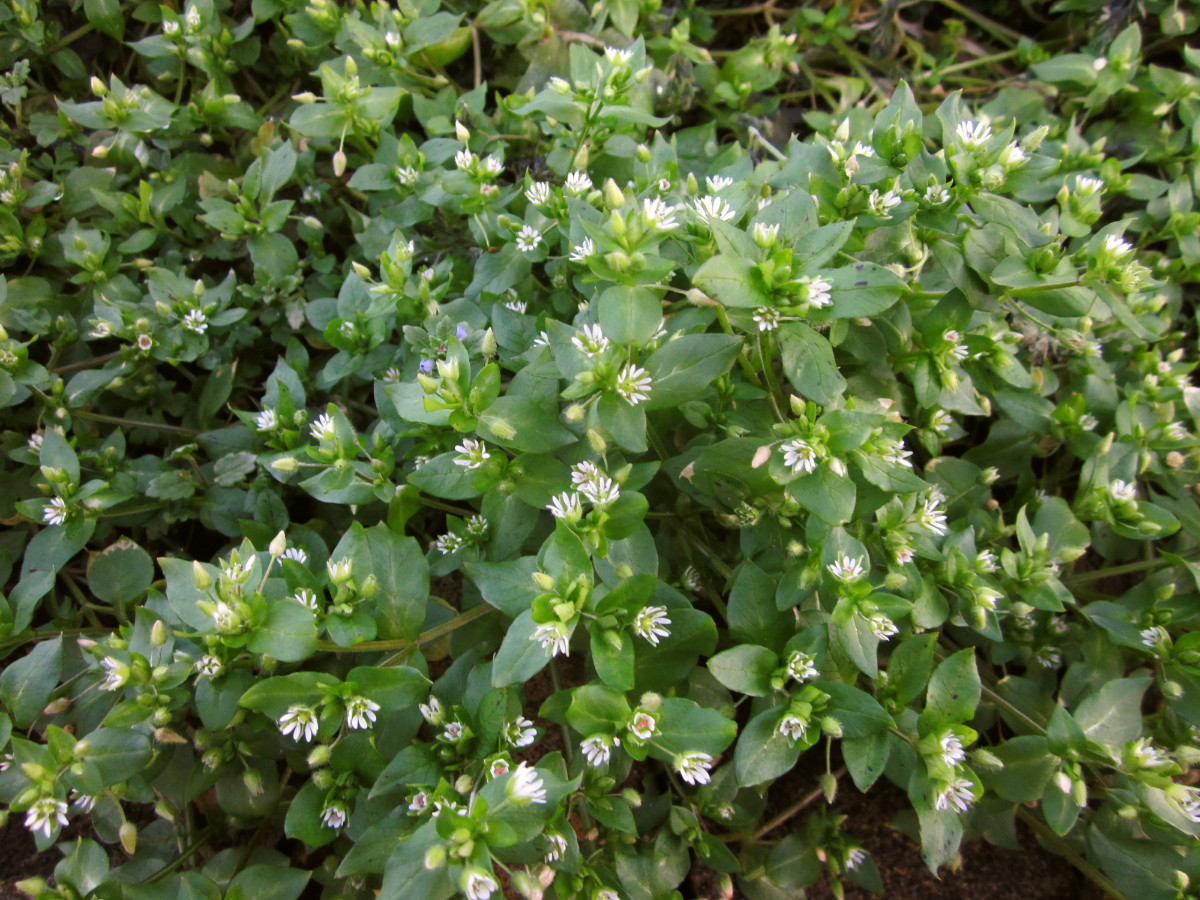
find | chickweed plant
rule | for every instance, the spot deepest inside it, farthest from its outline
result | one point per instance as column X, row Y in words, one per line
column 467, row 450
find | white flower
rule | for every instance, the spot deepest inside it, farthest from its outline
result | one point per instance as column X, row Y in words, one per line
column 690, row 579
column 55, row 512
column 306, row 598
column 1013, row 157
column 664, row 185
column 986, row 596
column 1191, row 805
column 959, row 793
column 431, row 712
column 477, row 526
column 817, row 293
column 633, row 384
column 452, row 731
column 801, row 666
column 1122, row 491
column 406, row 175
column 957, row 348
column 170, row 27
column 718, row 183
column 266, row 420
column 602, row 491
column 558, row 846
column 585, row 472
column 478, row 885
column 895, row 453
column 448, row 543
column 296, row 554
column 464, row 159
column 973, row 135
column 528, row 239
column 693, row 767
column 882, row 626
column 492, row 166
column 658, row 215
column 1151, row 636
column 1049, row 657
column 941, row 421
column 498, row 767
column 334, row 816
column 936, row 195
column 598, row 748
column 904, row 555
column 1086, row 186
column 116, row 673
column 792, row 727
column 577, row 184
column 566, row 506
column 300, row 722
column 952, row 749
column 525, row 786
column 591, row 341
column 709, row 209
column 765, row 235
column 323, row 429
column 1116, row 246
column 209, row 666
column 643, row 725
column 360, row 712
column 537, row 193
column 847, row 568
column 519, row 733
column 606, row 894
column 473, row 454
column 517, row 306
column 618, row 57
column 767, row 318
column 192, row 18
column 542, row 340
column 582, row 251
column 861, row 149
column 985, row 561
column 83, row 803
column 46, row 814
column 855, row 858
column 340, row 571
column 553, row 637
column 1145, row 755
column 195, row 321
column 799, row 456
column 931, row 516
column 35, row 442
column 882, row 204
column 226, row 620
column 649, row 622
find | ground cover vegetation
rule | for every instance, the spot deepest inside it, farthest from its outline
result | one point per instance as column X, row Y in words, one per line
column 775, row 386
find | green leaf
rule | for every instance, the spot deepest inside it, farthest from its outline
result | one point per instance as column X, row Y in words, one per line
column 1112, row 716
column 1028, row 767
column 727, row 278
column 58, row 454
column 106, row 15
column 763, row 753
column 683, row 369
column 752, row 615
column 118, row 754
column 866, row 758
column 809, row 364
column 401, row 572
column 746, row 668
column 26, row 685
column 825, row 494
column 596, row 709
column 273, row 696
column 520, row 657
column 415, row 764
column 303, row 820
column 289, row 632
column 954, row 689
column 269, row 883
column 121, row 573
column 628, row 313
column 508, row 586
column 859, row 714
column 614, row 665
column 864, row 289
column 686, row 726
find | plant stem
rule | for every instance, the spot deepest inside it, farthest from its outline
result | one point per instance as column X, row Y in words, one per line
column 788, row 813
column 404, row 644
column 198, row 843
column 1145, row 565
column 86, row 363
column 133, row 423
column 1063, row 849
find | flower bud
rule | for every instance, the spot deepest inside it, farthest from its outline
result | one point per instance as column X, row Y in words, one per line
column 574, row 413
column 34, row 887
column 502, row 429
column 643, row 153
column 285, row 464
column 339, row 163
column 632, row 797
column 200, row 578
column 829, row 786
column 596, row 439
column 613, row 195
column 543, row 581
column 831, row 726
column 128, row 834
column 435, row 857
column 461, row 132
column 464, row 783
column 488, row 346
column 319, row 756
column 278, row 544
column 59, row 705
column 158, row 633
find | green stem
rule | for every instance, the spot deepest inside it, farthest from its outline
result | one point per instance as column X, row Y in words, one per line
column 747, row 369
column 766, row 356
column 757, row 135
column 787, row 814
column 971, row 63
column 30, row 636
column 133, row 423
column 999, row 32
column 71, row 38
column 404, row 644
column 200, row 841
column 1063, row 849
column 1146, row 565
column 86, row 363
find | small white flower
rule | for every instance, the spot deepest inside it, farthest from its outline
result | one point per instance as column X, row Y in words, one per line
column 855, row 857
column 658, row 215
column 591, row 342
column 903, row 556
column 582, row 251
column 602, row 491
column 847, row 568
column 537, row 193
column 1122, row 491
column 558, row 846
column 542, row 340
column 710, row 209
column 577, row 184
column 498, row 767
column 816, row 293
column 195, row 321
column 664, row 185
column 941, row 421
column 566, row 506
column 598, row 748
column 517, row 306
column 339, row 571
column 882, row 204
column 952, row 749
column 882, row 626
column 473, row 454
column 55, row 512
column 1116, row 246
column 519, row 733
column 985, row 561
column 306, row 598
column 690, row 579
column 525, row 786
column 649, row 622
column 931, row 516
column 492, row 166
column 717, row 183
column 452, row 731
column 334, row 816
column 45, row 815
column 83, row 803
column 801, row 666
column 35, row 442
column 607, row 894
column 792, row 727
column 209, row 666
column 477, row 527
column 478, row 885
column 324, row 428
column 448, row 543
column 360, row 712
column 767, row 318
column 1191, row 805
column 959, row 793
column 693, row 767
column 192, row 19
column 585, row 472
column 1099, row 63
column 894, row 452
column 643, row 725
column 431, row 712
column 765, row 235
column 861, row 149
column 116, row 674
column 170, row 27
column 618, row 57
column 266, row 420
column 296, row 554
column 957, row 348
column 937, row 194
column 799, row 456
column 553, row 637
column 1049, row 657
column 528, row 239
column 407, row 175
column 299, row 722
column 1086, row 186
column 973, row 135
column 1152, row 636
column 226, row 620
column 465, row 160
column 1144, row 754
column 1013, row 157
column 633, row 384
